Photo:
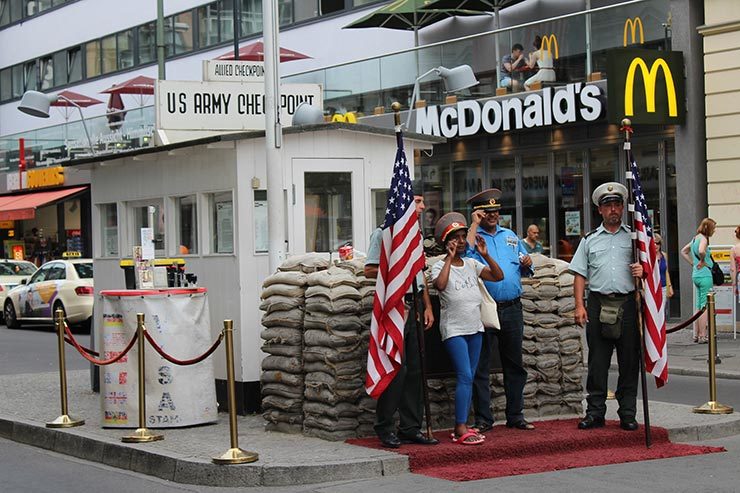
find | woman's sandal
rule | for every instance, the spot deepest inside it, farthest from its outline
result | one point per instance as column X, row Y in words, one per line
column 468, row 438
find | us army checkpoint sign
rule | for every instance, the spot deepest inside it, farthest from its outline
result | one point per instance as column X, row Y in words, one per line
column 195, row 105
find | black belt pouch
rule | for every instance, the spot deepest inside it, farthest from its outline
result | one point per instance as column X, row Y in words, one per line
column 610, row 316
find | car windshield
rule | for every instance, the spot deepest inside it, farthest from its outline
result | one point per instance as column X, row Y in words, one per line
column 11, row 269
column 85, row 271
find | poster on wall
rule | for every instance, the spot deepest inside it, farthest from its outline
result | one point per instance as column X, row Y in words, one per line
column 505, row 220
column 572, row 223
column 261, row 236
column 224, row 222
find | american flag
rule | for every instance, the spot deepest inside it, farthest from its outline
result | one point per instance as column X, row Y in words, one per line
column 401, row 258
column 656, row 344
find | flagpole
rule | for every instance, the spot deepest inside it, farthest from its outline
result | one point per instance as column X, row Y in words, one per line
column 626, row 126
column 415, row 311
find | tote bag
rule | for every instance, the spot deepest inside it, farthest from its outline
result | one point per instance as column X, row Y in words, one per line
column 488, row 310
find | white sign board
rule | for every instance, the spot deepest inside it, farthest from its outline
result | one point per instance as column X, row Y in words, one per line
column 194, row 105
column 233, row 71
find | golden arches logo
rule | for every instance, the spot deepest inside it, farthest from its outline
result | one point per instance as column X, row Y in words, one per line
column 547, row 43
column 649, row 77
column 632, row 25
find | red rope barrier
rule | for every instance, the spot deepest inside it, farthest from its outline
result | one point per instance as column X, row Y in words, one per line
column 92, row 360
column 186, row 362
column 87, row 350
column 687, row 322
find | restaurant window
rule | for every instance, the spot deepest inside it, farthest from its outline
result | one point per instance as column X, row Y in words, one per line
column 467, row 180
column 60, row 65
column 30, row 76
column 226, row 20
column 305, row 9
column 379, row 203
column 92, row 59
column 6, row 86
column 147, row 34
column 329, row 6
column 603, row 167
column 4, row 12
column 221, row 207
column 142, row 220
column 169, row 36
column 125, row 49
column 183, row 32
column 502, row 175
column 109, row 54
column 569, row 218
column 285, row 12
column 436, row 182
column 251, row 17
column 535, row 196
column 328, row 207
column 18, row 81
column 208, row 25
column 109, row 229
column 16, row 10
column 46, row 71
column 187, row 225
column 74, row 64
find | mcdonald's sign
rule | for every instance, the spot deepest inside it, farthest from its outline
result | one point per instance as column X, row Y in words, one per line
column 632, row 25
column 548, row 42
column 646, row 86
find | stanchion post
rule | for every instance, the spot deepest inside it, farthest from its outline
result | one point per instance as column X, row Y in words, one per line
column 234, row 455
column 712, row 407
column 142, row 434
column 63, row 421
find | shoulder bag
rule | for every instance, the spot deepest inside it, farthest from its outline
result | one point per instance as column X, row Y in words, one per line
column 718, row 277
column 488, row 309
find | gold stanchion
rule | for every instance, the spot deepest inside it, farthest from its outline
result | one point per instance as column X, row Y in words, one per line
column 63, row 421
column 610, row 395
column 142, row 434
column 712, row 407
column 234, row 455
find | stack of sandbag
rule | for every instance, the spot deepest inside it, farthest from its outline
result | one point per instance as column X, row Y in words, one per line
column 442, row 402
column 334, row 352
column 282, row 370
column 551, row 349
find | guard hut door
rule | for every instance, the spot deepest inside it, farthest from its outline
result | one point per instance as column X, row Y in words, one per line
column 328, row 205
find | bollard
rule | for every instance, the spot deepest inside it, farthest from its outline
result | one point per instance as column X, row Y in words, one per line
column 63, row 421
column 712, row 407
column 142, row 434
column 234, row 455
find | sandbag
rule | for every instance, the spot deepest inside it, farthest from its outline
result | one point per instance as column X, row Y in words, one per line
column 318, row 304
column 339, row 382
column 282, row 390
column 335, row 293
column 320, row 393
column 343, row 368
column 570, row 332
column 282, row 404
column 281, row 377
column 276, row 416
column 291, row 278
column 340, row 322
column 356, row 266
column 280, row 363
column 308, row 262
column 282, row 350
column 334, row 338
column 286, row 318
column 333, row 277
column 280, row 303
column 335, row 355
column 340, row 410
column 331, row 434
column 547, row 347
column 282, row 290
column 281, row 335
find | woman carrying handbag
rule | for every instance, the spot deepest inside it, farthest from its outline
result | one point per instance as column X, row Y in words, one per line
column 698, row 253
column 456, row 279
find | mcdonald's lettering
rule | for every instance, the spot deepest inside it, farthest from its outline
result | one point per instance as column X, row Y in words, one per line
column 547, row 43
column 632, row 25
column 649, row 77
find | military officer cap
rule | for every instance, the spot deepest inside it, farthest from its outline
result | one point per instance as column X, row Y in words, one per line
column 450, row 222
column 609, row 192
column 486, row 201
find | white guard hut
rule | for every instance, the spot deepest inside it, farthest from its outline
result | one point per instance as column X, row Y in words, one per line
column 210, row 205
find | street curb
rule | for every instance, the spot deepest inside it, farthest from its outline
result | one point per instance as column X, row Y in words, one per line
column 693, row 372
column 188, row 471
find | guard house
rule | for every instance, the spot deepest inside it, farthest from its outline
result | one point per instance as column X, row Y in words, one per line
column 210, row 200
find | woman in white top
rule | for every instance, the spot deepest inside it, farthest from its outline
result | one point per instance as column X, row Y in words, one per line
column 543, row 60
column 456, row 279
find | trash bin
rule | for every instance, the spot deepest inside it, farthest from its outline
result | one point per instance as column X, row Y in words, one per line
column 175, row 268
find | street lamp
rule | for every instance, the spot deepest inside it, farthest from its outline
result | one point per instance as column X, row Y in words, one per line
column 37, row 104
column 306, row 114
column 455, row 79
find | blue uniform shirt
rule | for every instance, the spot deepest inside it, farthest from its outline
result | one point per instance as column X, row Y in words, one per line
column 604, row 259
column 504, row 247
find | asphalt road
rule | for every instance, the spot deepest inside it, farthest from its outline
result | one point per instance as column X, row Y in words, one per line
column 33, row 349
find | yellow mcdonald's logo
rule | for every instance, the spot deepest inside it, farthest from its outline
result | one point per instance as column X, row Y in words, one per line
column 547, row 43
column 649, row 80
column 632, row 24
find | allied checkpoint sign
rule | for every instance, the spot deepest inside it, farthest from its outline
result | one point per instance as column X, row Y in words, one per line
column 233, row 71
column 229, row 106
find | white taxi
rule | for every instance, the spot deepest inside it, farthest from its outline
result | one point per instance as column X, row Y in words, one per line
column 12, row 272
column 65, row 284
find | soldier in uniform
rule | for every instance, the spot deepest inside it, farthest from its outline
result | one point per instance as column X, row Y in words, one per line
column 604, row 260
column 506, row 249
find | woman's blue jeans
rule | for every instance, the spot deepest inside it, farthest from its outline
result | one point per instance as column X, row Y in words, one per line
column 464, row 352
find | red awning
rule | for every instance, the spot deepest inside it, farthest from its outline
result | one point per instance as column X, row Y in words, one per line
column 18, row 207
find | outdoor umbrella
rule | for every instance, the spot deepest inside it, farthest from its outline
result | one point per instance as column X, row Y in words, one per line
column 140, row 85
column 407, row 15
column 115, row 111
column 255, row 52
column 76, row 100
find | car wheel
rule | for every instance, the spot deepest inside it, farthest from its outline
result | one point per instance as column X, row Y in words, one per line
column 11, row 321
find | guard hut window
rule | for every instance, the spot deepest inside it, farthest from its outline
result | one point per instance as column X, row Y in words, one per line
column 187, row 225
column 141, row 220
column 221, row 207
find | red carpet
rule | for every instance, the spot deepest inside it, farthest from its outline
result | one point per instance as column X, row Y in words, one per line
column 553, row 446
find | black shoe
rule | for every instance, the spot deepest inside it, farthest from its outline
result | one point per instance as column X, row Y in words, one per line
column 521, row 425
column 483, row 427
column 628, row 424
column 419, row 439
column 389, row 440
column 590, row 422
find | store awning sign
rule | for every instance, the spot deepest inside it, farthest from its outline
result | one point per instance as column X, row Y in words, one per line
column 646, row 86
column 567, row 104
column 194, row 105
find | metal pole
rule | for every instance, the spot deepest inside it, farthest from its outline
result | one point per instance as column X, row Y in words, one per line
column 142, row 434
column 273, row 137
column 497, row 26
column 588, row 39
column 237, row 20
column 63, row 421
column 160, row 39
column 234, row 455
column 638, row 299
column 712, row 407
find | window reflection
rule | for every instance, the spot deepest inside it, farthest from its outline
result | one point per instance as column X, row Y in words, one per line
column 502, row 175
column 535, row 204
column 569, row 224
column 328, row 206
column 604, row 166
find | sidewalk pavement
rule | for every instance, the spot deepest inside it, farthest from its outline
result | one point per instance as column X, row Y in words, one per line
column 28, row 401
